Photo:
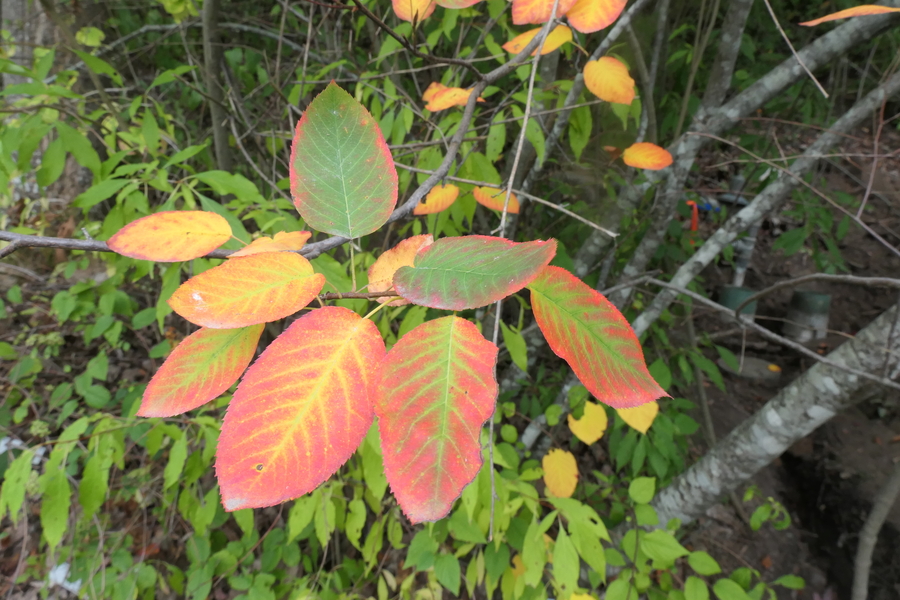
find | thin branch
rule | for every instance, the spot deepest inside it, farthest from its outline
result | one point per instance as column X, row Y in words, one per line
column 848, row 279
column 868, row 536
column 775, row 337
column 794, row 52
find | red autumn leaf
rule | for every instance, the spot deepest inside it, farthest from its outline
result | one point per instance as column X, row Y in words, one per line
column 248, row 290
column 856, row 11
column 342, row 173
column 586, row 330
column 301, row 410
column 556, row 38
column 284, row 241
column 494, row 199
column 201, row 367
column 588, row 16
column 645, row 155
column 456, row 273
column 438, row 199
column 413, row 10
column 538, row 11
column 381, row 273
column 172, row 236
column 437, row 390
column 608, row 79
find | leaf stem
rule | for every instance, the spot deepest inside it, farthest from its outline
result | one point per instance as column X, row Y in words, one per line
column 352, row 268
column 375, row 310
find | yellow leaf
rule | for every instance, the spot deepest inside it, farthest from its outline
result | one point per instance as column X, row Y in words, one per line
column 856, row 11
column 581, row 597
column 537, row 11
column 609, row 80
column 588, row 16
column 433, row 88
column 445, row 97
column 645, row 155
column 285, row 241
column 560, row 473
column 414, row 10
column 640, row 417
column 559, row 36
column 381, row 273
column 438, row 199
column 518, row 566
column 591, row 426
column 494, row 199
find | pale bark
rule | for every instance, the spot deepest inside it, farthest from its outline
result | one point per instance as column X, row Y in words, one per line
column 868, row 537
column 795, row 412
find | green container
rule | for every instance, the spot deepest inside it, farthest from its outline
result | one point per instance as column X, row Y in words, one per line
column 807, row 316
column 731, row 297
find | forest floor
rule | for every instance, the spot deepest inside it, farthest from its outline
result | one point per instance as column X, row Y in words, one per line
column 827, row 480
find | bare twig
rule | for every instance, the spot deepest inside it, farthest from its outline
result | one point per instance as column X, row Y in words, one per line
column 794, row 52
column 212, row 55
column 868, row 536
column 849, row 279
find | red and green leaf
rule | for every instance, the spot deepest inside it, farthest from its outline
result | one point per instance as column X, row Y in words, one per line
column 586, row 330
column 437, row 390
column 413, row 10
column 301, row 410
column 457, row 273
column 440, row 198
column 494, row 199
column 457, row 3
column 172, row 236
column 202, row 366
column 381, row 273
column 284, row 241
column 856, row 11
column 342, row 174
column 645, row 155
column 245, row 291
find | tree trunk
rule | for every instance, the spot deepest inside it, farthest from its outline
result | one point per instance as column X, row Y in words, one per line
column 797, row 410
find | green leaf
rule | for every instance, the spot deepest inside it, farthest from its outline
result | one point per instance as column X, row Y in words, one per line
column 77, row 144
column 55, row 507
column 516, row 346
column 100, row 192
column 726, row 589
column 446, row 569
column 534, row 552
column 168, row 77
column 641, row 489
column 791, row 241
column 98, row 65
column 94, row 484
column 342, row 173
column 12, row 494
column 175, row 466
column 565, row 563
column 355, row 521
column 457, row 273
column 300, row 516
column 792, row 582
column 496, row 138
column 695, row 589
column 53, row 162
column 703, row 563
column 662, row 546
column 89, row 36
column 660, row 371
column 580, row 125
column 708, row 367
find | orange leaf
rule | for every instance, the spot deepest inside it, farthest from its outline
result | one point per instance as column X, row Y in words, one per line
column 301, row 410
column 640, row 417
column 609, row 80
column 494, row 199
column 414, row 10
column 248, row 290
column 588, row 16
column 645, row 155
column 172, row 236
column 381, row 274
column 537, row 11
column 445, row 97
column 201, row 367
column 285, row 241
column 439, row 198
column 433, row 88
column 559, row 36
column 591, row 426
column 560, row 473
column 856, row 11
